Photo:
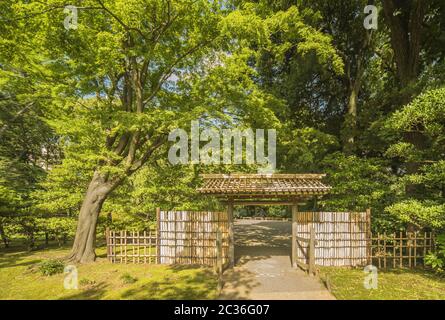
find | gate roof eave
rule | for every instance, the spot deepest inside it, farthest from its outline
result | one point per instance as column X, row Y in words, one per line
column 263, row 187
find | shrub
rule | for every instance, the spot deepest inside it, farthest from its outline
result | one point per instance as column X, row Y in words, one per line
column 51, row 267
column 437, row 259
column 84, row 282
column 128, row 278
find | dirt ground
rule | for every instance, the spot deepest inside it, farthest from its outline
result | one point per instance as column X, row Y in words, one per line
column 263, row 266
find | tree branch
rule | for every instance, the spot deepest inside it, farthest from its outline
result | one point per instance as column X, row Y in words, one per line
column 23, row 110
column 169, row 70
column 146, row 156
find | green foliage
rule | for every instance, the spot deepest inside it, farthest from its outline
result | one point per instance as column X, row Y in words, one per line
column 359, row 184
column 30, row 227
column 63, row 189
column 424, row 113
column 84, row 282
column 134, row 70
column 302, row 150
column 58, row 227
column 437, row 259
column 288, row 30
column 421, row 214
column 51, row 267
column 421, row 122
column 127, row 278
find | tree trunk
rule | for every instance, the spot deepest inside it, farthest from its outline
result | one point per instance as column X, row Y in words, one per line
column 350, row 124
column 31, row 240
column 405, row 24
column 405, row 21
column 354, row 79
column 4, row 237
column 83, row 250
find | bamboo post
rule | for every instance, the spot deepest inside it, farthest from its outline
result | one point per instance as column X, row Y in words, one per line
column 409, row 249
column 294, row 234
column 107, row 239
column 158, row 235
column 368, row 236
column 312, row 252
column 121, row 247
column 394, row 250
column 231, row 234
column 378, row 250
column 219, row 259
column 134, row 246
column 176, row 236
column 125, row 246
column 415, row 249
column 401, row 250
column 145, row 247
column 138, row 247
column 384, row 250
column 431, row 246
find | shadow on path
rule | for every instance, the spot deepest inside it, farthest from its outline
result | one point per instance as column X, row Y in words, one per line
column 263, row 265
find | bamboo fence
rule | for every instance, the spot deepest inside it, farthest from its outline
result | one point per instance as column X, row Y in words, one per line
column 342, row 238
column 188, row 237
column 132, row 246
column 181, row 237
column 400, row 249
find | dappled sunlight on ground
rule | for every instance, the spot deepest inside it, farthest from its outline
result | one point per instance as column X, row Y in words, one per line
column 21, row 279
column 263, row 265
column 396, row 284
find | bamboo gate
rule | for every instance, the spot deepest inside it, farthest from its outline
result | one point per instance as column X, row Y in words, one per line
column 320, row 239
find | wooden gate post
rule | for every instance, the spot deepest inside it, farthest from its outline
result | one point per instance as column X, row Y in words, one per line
column 369, row 237
column 312, row 251
column 158, row 235
column 294, row 233
column 231, row 234
column 107, row 238
column 219, row 258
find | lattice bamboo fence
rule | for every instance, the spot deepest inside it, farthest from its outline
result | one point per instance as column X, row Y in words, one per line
column 132, row 247
column 398, row 250
column 342, row 238
column 190, row 237
column 181, row 237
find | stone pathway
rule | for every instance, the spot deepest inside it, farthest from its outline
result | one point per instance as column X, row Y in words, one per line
column 263, row 268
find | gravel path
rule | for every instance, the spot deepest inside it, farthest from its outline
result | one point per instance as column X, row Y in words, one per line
column 263, row 267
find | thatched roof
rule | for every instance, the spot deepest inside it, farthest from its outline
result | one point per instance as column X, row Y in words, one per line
column 263, row 185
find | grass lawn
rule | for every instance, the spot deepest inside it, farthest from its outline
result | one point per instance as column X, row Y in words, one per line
column 403, row 284
column 21, row 279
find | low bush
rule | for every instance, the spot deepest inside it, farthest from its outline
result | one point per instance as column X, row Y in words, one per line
column 51, row 267
column 128, row 278
column 437, row 259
